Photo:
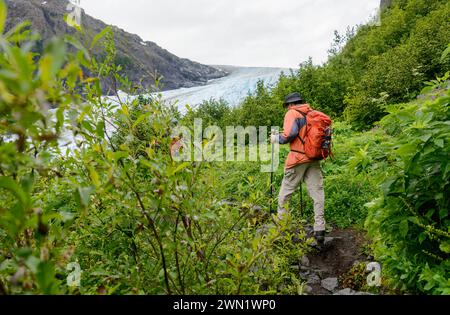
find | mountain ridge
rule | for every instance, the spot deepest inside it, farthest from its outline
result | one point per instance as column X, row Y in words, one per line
column 141, row 60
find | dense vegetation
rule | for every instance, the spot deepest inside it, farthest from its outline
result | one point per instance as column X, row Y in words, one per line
column 410, row 223
column 138, row 222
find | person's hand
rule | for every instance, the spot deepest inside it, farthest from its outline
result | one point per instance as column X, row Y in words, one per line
column 274, row 138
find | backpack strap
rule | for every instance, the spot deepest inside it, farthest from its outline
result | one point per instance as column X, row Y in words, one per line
column 306, row 118
column 303, row 141
column 302, row 113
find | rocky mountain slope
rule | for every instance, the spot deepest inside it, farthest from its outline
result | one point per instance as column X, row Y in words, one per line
column 141, row 61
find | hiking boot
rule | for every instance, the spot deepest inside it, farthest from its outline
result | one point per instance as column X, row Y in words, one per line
column 319, row 236
column 319, row 242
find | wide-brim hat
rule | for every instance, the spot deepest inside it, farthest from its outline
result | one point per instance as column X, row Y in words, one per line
column 293, row 98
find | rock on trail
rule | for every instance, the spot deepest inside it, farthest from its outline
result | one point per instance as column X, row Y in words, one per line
column 322, row 270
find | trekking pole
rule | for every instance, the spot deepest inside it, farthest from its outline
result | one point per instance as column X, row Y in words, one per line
column 301, row 199
column 271, row 175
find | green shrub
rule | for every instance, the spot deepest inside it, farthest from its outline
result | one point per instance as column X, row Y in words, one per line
column 212, row 112
column 410, row 223
column 345, row 199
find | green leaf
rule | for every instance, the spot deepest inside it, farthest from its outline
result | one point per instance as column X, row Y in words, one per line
column 94, row 176
column 84, row 195
column 151, row 165
column 422, row 237
column 99, row 36
column 429, row 286
column 404, row 116
column 403, row 228
column 443, row 213
column 27, row 183
column 445, row 247
column 414, row 220
column 45, row 277
column 79, row 46
column 24, row 252
column 407, row 149
column 67, row 216
column 425, row 138
column 439, row 143
column 88, row 126
column 45, row 65
column 141, row 118
column 120, row 155
column 24, row 67
column 33, row 262
column 180, row 168
column 445, row 53
column 56, row 52
column 9, row 184
column 59, row 118
column 19, row 32
column 3, row 14
column 430, row 213
column 100, row 130
column 125, row 111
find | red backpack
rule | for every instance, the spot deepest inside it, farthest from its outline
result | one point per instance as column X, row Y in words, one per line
column 318, row 136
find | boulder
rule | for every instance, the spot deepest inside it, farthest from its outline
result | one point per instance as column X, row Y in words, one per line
column 304, row 261
column 330, row 284
column 313, row 279
column 308, row 289
column 346, row 291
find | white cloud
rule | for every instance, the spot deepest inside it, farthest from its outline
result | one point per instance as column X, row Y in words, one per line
column 278, row 33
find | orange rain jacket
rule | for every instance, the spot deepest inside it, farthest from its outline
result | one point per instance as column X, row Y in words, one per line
column 294, row 129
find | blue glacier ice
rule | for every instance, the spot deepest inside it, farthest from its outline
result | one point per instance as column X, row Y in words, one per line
column 232, row 88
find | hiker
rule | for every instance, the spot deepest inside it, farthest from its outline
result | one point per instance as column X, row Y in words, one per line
column 301, row 164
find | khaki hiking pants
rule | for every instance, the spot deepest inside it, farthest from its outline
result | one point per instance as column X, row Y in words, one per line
column 311, row 174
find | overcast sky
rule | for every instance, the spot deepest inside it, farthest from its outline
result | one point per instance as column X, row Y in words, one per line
column 273, row 33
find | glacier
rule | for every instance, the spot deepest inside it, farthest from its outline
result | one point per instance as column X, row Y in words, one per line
column 232, row 88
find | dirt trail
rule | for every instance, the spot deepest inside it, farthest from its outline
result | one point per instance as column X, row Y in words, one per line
column 343, row 248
